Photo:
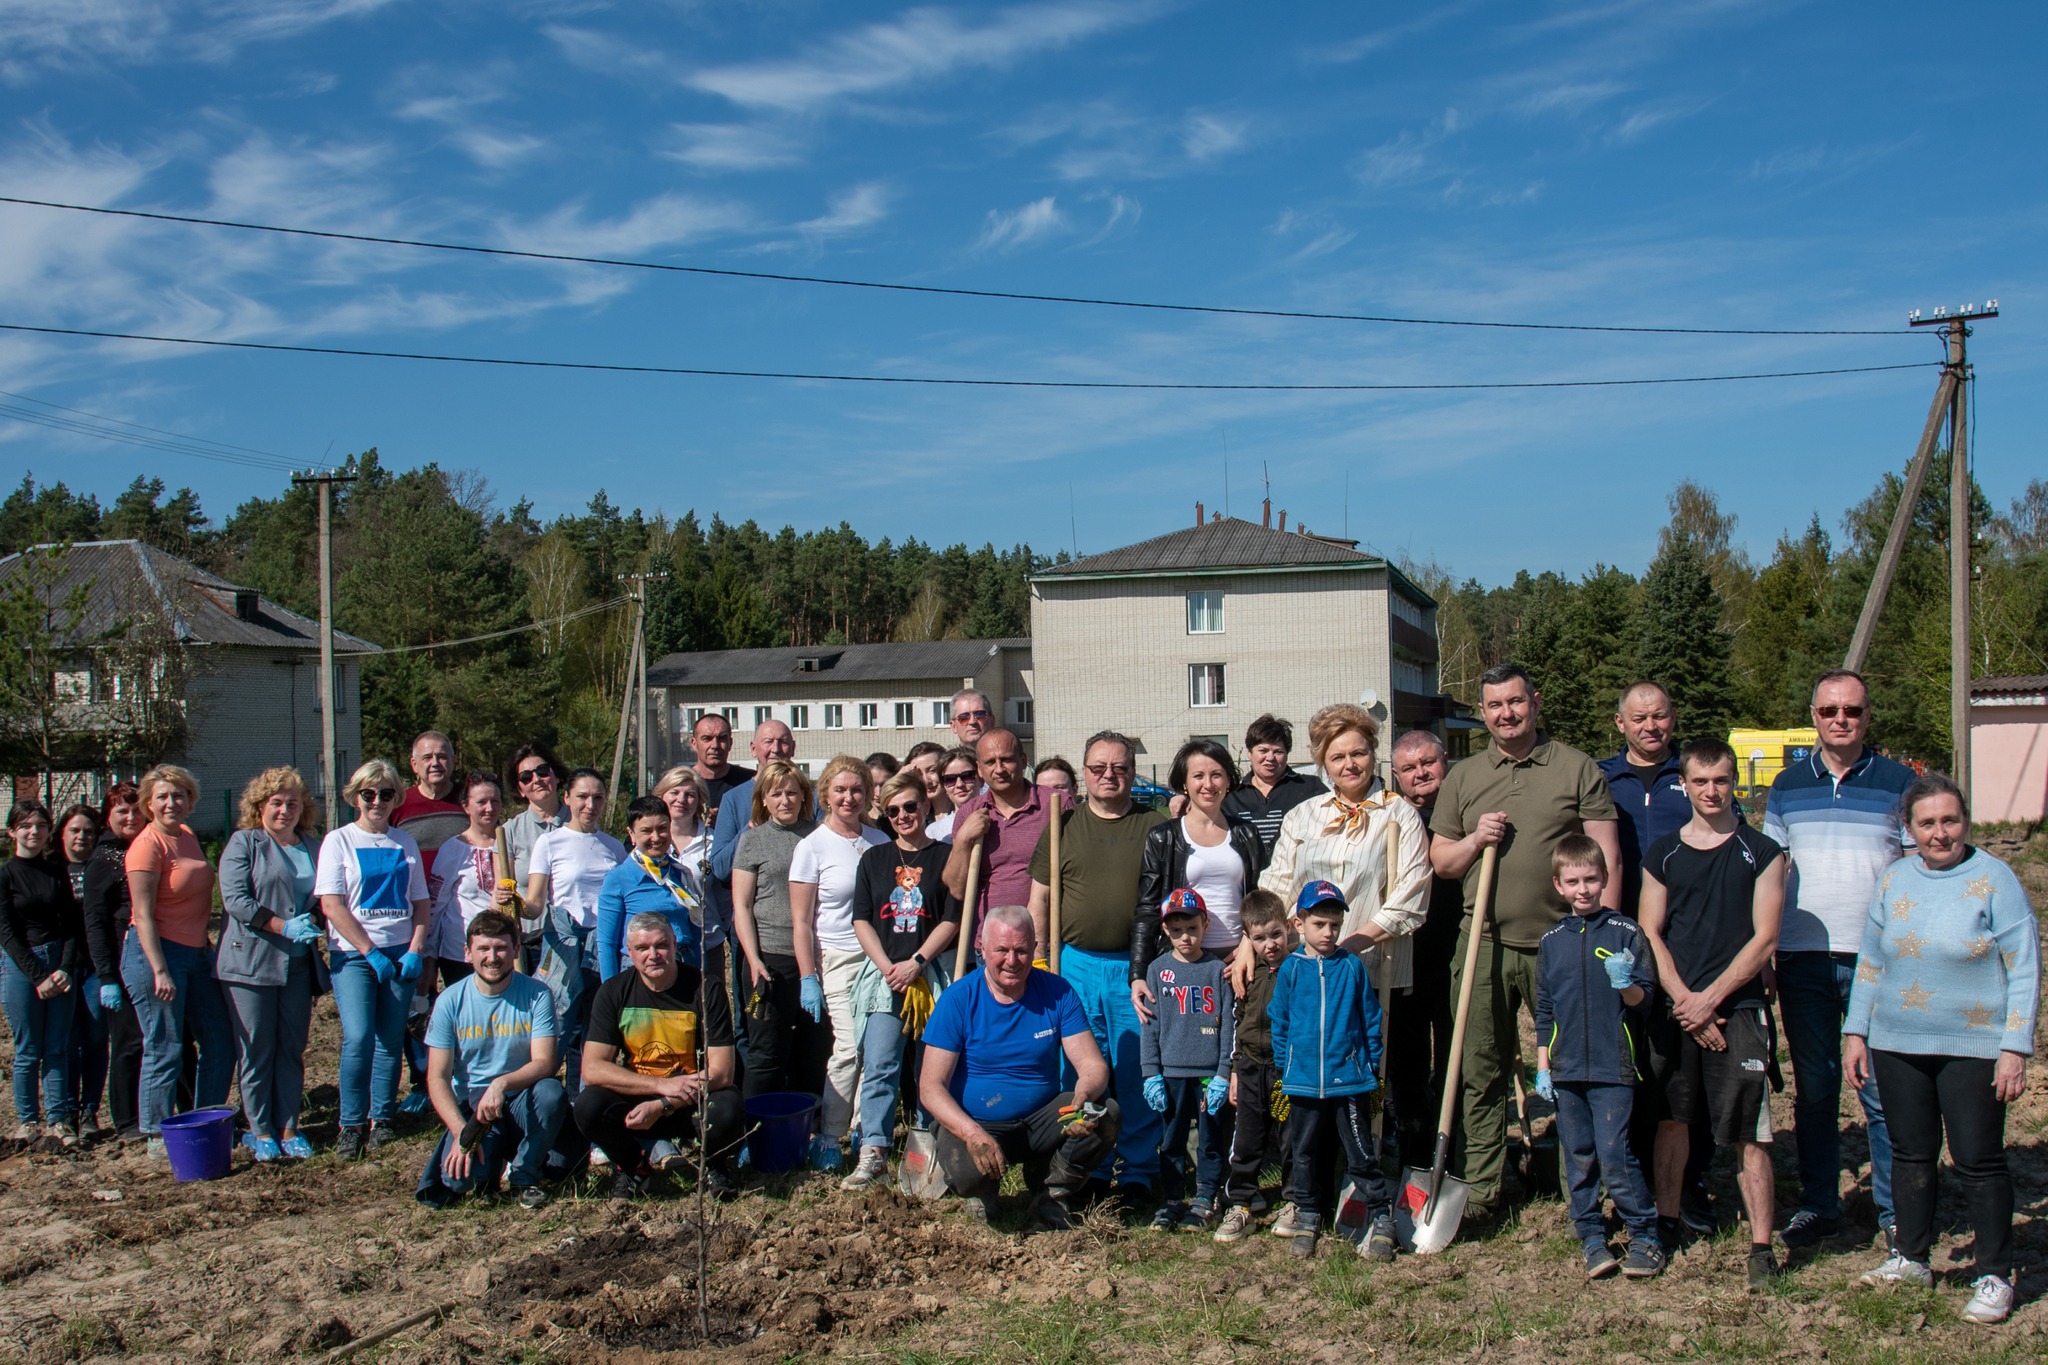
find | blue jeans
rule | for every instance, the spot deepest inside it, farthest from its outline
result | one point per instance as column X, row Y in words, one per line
column 1185, row 1110
column 42, row 1040
column 523, row 1136
column 372, row 1038
column 1813, row 999
column 883, row 1049
column 271, row 1023
column 1592, row 1130
column 1102, row 980
column 197, row 1008
column 89, row 1048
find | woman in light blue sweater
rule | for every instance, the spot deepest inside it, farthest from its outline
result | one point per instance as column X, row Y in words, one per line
column 1942, row 1013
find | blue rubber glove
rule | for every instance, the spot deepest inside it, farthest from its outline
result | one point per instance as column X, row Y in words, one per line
column 1545, row 1088
column 1619, row 967
column 1155, row 1093
column 409, row 967
column 383, row 966
column 812, row 996
column 303, row 929
column 1216, row 1093
column 110, row 996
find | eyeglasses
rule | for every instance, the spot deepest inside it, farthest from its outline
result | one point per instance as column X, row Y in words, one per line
column 974, row 715
column 1848, row 712
column 957, row 779
column 1109, row 770
column 383, row 796
column 527, row 775
column 893, row 811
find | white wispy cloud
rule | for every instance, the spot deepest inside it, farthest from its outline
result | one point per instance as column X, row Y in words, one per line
column 59, row 35
column 850, row 210
column 1124, row 213
column 1323, row 234
column 1408, row 156
column 1205, row 137
column 456, row 105
column 1570, row 97
column 664, row 220
column 1640, row 121
column 729, row 146
column 1034, row 222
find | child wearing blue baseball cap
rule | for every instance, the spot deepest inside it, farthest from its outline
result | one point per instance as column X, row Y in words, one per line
column 1184, row 1050
column 1326, row 1042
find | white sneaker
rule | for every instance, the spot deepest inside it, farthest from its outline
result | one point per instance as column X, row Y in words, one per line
column 1896, row 1269
column 1992, row 1302
column 873, row 1166
column 598, row 1159
column 1283, row 1226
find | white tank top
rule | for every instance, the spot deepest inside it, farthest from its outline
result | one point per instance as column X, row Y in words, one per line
column 1218, row 874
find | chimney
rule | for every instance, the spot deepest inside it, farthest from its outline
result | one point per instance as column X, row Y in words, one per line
column 1266, row 517
column 1198, row 512
column 1215, row 516
column 246, row 604
column 1283, row 518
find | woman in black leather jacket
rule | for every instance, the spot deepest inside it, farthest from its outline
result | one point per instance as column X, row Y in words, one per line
column 105, row 903
column 1205, row 849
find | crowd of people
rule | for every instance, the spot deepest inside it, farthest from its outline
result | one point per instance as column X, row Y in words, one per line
column 1157, row 1006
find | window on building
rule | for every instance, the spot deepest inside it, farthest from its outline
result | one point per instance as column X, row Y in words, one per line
column 691, row 715
column 762, row 715
column 906, row 714
column 870, row 714
column 942, row 713
column 1205, row 684
column 72, row 684
column 799, row 717
column 835, row 716
column 1205, row 613
column 731, row 714
column 1020, row 710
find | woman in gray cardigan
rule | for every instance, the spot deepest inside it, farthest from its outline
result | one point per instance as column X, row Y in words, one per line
column 266, row 960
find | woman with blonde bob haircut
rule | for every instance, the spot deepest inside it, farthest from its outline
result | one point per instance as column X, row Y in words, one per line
column 267, row 961
column 372, row 886
column 785, row 1047
column 689, row 839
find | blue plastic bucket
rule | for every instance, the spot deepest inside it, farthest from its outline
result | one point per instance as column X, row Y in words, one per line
column 782, row 1129
column 200, row 1143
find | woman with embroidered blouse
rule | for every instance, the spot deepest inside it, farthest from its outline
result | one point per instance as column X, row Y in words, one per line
column 1942, row 1013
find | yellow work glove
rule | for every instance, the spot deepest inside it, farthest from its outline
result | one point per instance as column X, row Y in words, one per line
column 1041, row 964
column 1278, row 1105
column 917, row 1007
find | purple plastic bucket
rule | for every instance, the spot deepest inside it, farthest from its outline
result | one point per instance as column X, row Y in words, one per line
column 200, row 1143
column 782, row 1129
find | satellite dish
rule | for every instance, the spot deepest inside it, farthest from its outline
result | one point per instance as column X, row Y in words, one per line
column 1368, row 699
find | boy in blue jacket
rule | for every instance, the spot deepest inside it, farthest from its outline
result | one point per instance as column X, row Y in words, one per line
column 1591, row 970
column 1326, row 1043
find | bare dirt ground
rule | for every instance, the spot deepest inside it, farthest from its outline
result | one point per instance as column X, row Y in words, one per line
column 106, row 1257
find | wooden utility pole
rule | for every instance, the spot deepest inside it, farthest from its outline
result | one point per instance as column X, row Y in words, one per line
column 329, row 779
column 632, row 709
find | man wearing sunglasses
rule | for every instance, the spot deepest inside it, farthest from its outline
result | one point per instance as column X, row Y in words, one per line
column 971, row 717
column 1836, row 813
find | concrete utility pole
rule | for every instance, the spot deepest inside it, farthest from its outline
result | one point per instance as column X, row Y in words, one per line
column 325, row 481
column 1951, row 402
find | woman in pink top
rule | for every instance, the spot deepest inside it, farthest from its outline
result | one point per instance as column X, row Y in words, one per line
column 167, row 961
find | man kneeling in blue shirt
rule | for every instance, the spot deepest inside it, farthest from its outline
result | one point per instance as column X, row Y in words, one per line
column 491, row 1073
column 991, row 1078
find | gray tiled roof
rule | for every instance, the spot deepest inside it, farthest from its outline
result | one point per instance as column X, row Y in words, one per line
column 2026, row 684
column 122, row 577
column 947, row 659
column 1231, row 543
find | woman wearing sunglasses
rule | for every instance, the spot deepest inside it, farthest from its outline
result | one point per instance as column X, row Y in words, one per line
column 959, row 778
column 372, row 886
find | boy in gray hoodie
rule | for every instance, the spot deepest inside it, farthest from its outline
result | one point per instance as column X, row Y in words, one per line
column 1184, row 1051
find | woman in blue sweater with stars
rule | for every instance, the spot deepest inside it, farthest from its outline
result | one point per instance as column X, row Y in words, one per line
column 1943, row 1013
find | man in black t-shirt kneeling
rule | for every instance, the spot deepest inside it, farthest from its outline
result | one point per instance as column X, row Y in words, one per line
column 1713, row 897
column 656, row 1045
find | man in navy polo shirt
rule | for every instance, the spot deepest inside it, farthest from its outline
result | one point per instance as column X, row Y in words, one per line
column 1649, row 793
column 1837, row 816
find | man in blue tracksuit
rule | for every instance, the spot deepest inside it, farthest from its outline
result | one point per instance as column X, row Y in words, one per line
column 1326, row 1044
column 1649, row 794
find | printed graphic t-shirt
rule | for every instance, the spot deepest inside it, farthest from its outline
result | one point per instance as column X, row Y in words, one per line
column 490, row 1035
column 658, row 1033
column 378, row 875
column 904, row 896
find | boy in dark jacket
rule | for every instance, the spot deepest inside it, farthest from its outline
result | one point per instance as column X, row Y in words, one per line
column 1255, row 1095
column 1326, row 1042
column 1184, row 1051
column 1591, row 970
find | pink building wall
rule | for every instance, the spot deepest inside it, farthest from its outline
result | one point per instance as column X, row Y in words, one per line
column 2009, row 761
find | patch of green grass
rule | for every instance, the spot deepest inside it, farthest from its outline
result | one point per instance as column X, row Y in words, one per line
column 85, row 1336
column 1345, row 1281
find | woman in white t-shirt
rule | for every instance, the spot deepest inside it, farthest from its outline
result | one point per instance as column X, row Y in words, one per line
column 683, row 792
column 566, row 874
column 821, row 880
column 372, row 887
column 467, row 869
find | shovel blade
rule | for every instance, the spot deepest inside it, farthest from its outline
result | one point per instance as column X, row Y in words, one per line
column 1424, row 1228
column 919, row 1175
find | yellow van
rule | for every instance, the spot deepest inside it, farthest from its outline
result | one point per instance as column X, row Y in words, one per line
column 1760, row 755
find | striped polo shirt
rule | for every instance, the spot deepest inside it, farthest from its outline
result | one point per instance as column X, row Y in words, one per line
column 1840, row 835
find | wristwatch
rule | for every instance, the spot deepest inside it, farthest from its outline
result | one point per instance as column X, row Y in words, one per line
column 918, row 958
column 668, row 1106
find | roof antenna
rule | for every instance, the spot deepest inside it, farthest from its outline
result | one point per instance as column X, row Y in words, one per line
column 1073, row 525
column 1347, row 503
column 1226, row 471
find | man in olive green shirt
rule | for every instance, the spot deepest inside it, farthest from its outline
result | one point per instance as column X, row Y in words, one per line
column 1521, row 795
column 1102, row 844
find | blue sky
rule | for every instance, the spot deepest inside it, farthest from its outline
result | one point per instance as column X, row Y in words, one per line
column 1709, row 163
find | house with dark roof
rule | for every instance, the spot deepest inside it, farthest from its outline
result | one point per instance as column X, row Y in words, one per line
column 1200, row 631
column 239, row 673
column 853, row 699
column 2009, row 748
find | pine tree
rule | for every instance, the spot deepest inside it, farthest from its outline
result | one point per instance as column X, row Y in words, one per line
column 1681, row 643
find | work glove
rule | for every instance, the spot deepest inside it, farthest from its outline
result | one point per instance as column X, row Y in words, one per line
column 303, row 929
column 1544, row 1087
column 1216, row 1093
column 1619, row 967
column 1278, row 1105
column 1155, row 1093
column 812, row 996
column 110, row 996
column 383, row 966
column 917, row 1007
column 409, row 967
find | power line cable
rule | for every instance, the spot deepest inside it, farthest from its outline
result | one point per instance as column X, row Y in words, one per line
column 493, row 635
column 1017, row 296
column 135, row 433
column 937, row 380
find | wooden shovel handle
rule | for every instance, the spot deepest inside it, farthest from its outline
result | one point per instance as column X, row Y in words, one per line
column 1055, row 928
column 965, row 953
column 1488, row 865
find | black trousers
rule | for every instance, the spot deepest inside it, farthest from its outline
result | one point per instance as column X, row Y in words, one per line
column 786, row 1050
column 601, row 1116
column 1922, row 1096
column 1351, row 1117
column 1418, row 1042
column 1053, row 1160
column 1255, row 1131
